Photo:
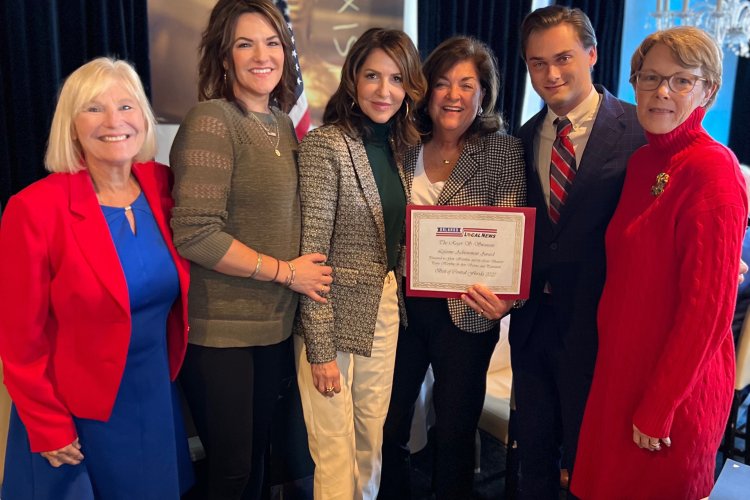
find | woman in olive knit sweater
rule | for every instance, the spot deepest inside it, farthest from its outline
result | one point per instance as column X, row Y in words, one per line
column 237, row 216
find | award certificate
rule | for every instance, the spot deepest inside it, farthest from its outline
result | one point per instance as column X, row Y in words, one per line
column 452, row 248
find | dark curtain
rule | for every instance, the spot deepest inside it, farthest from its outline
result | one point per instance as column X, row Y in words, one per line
column 494, row 22
column 44, row 41
column 739, row 139
column 607, row 18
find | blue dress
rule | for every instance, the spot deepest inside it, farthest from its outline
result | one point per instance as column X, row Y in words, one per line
column 141, row 451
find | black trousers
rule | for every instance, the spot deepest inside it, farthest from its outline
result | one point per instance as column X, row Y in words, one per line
column 232, row 394
column 459, row 362
column 551, row 385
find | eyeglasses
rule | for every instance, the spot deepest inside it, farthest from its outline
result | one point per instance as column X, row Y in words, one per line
column 679, row 83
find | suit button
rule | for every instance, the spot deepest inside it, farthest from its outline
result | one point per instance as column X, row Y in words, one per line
column 553, row 246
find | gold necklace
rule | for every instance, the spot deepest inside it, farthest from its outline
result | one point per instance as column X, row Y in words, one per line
column 448, row 161
column 270, row 133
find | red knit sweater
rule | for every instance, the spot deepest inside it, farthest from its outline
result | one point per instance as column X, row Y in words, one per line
column 666, row 356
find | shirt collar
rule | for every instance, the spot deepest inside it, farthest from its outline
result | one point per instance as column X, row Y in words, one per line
column 581, row 113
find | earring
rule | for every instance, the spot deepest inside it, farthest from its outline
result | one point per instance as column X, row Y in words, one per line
column 480, row 112
column 225, row 78
column 407, row 107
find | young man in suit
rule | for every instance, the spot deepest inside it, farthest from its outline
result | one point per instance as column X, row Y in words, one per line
column 553, row 337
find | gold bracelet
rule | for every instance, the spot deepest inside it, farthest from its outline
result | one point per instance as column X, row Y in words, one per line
column 289, row 276
column 292, row 275
column 257, row 265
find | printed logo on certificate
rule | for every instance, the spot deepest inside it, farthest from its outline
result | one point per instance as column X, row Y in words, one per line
column 451, row 248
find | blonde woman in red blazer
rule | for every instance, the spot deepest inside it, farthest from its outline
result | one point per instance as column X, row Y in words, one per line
column 80, row 361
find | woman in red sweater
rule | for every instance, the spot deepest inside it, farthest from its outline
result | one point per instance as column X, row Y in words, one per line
column 663, row 380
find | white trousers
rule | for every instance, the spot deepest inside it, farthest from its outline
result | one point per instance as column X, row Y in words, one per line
column 345, row 432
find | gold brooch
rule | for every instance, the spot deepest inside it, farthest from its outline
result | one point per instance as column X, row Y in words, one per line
column 661, row 182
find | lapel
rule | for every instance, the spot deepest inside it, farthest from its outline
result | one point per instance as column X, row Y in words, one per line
column 161, row 205
column 401, row 174
column 465, row 167
column 409, row 165
column 94, row 240
column 153, row 197
column 363, row 171
column 602, row 142
column 535, row 192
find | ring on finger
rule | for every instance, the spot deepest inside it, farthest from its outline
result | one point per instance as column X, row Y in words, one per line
column 329, row 389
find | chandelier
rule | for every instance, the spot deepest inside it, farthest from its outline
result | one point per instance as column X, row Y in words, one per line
column 727, row 21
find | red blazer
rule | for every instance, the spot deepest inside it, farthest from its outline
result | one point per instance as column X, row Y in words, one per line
column 64, row 306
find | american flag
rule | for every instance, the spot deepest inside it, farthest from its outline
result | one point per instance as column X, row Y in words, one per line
column 300, row 113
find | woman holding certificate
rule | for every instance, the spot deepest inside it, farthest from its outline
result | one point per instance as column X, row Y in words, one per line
column 465, row 159
column 353, row 208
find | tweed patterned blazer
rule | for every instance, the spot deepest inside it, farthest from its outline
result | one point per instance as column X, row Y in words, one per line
column 342, row 217
column 489, row 172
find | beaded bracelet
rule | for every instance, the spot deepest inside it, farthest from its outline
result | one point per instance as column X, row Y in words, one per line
column 257, row 265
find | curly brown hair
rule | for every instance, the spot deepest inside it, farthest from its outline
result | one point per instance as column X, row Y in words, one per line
column 216, row 72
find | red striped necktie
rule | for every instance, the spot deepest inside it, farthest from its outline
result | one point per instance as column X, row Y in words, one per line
column 562, row 169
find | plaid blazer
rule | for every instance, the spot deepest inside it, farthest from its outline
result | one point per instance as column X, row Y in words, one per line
column 342, row 217
column 489, row 172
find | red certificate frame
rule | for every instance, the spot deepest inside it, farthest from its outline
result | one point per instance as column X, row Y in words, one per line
column 474, row 232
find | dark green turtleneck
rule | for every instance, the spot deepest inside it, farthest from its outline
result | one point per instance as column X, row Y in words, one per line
column 392, row 196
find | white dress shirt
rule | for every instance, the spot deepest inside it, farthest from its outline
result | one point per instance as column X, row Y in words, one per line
column 582, row 118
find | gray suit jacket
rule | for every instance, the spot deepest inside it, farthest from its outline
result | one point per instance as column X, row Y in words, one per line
column 342, row 218
column 489, row 172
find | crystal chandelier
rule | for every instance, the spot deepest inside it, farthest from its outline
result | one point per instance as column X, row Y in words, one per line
column 727, row 21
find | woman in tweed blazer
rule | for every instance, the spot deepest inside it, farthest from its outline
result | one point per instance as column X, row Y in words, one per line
column 465, row 160
column 353, row 210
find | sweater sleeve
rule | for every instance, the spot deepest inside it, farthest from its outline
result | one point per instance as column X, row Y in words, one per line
column 319, row 180
column 202, row 159
column 25, row 343
column 710, row 232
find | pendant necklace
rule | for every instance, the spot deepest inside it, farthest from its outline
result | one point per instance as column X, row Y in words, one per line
column 448, row 161
column 270, row 133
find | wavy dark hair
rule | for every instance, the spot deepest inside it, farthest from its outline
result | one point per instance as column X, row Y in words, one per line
column 342, row 109
column 216, row 52
column 446, row 55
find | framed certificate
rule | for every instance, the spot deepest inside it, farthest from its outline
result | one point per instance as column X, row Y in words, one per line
column 449, row 249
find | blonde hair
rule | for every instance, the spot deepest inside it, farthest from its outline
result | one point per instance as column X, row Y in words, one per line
column 692, row 48
column 64, row 153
